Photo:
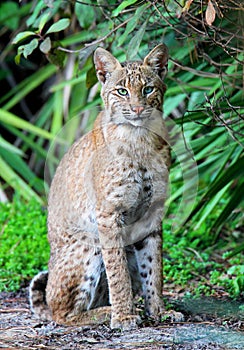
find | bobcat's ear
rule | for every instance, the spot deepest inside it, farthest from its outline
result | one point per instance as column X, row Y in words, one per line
column 105, row 64
column 157, row 59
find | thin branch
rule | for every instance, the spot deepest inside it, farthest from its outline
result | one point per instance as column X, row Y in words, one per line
column 95, row 42
column 196, row 253
column 168, row 22
column 6, row 311
column 110, row 33
column 194, row 71
column 214, row 63
column 95, row 5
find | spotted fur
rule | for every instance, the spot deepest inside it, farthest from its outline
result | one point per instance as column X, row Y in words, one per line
column 106, row 204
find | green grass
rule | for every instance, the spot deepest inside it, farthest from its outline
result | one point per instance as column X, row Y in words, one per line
column 190, row 259
column 23, row 240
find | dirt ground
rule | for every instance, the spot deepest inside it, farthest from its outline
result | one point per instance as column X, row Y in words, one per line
column 209, row 324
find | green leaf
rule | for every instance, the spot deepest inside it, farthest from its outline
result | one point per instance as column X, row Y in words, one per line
column 10, row 148
column 29, row 48
column 18, row 165
column 9, row 15
column 209, row 207
column 57, row 116
column 40, row 5
column 236, row 269
column 45, row 46
column 15, row 181
column 58, row 26
column 28, row 141
column 122, row 6
column 183, row 88
column 172, row 102
column 85, row 14
column 84, row 54
column 132, row 24
column 17, row 58
column 43, row 20
column 230, row 174
column 135, row 42
column 27, row 85
column 21, row 36
column 235, row 200
column 91, row 78
column 235, row 251
column 11, row 119
column 56, row 57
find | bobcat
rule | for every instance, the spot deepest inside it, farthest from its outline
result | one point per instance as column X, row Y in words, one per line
column 106, row 204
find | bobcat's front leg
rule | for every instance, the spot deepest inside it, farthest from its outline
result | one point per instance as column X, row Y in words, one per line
column 119, row 282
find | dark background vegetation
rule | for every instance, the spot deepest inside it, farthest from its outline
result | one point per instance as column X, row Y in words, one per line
column 50, row 96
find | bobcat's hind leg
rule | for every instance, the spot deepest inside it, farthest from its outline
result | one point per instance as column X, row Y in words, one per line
column 76, row 283
column 149, row 259
column 100, row 315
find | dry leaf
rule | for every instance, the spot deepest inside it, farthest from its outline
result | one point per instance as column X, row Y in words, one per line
column 187, row 5
column 210, row 13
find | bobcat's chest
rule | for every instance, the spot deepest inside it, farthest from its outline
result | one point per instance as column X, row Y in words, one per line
column 132, row 181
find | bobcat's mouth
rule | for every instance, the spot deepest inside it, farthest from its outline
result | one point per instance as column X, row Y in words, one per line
column 136, row 120
column 130, row 117
column 138, row 117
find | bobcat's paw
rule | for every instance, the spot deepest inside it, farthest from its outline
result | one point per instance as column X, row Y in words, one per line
column 155, row 309
column 125, row 322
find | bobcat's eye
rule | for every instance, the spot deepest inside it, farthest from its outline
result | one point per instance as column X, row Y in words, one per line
column 123, row 92
column 147, row 90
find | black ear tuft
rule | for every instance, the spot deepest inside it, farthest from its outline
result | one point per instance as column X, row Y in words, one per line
column 157, row 59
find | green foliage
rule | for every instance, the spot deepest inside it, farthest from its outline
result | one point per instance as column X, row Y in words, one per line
column 9, row 14
column 25, row 251
column 23, row 240
column 41, row 15
column 192, row 264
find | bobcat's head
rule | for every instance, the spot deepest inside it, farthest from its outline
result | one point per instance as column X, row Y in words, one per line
column 132, row 90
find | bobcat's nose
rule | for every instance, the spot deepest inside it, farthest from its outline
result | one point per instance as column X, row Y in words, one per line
column 137, row 109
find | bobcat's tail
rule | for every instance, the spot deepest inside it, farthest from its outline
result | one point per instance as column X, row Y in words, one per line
column 37, row 296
